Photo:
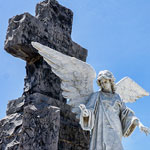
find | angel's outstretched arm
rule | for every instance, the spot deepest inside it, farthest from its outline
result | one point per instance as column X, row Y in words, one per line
column 130, row 121
column 130, row 91
column 86, row 118
column 143, row 128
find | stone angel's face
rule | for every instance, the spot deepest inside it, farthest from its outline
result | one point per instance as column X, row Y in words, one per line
column 106, row 85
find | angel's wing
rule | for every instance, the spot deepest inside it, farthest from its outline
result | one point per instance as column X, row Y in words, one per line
column 129, row 90
column 76, row 76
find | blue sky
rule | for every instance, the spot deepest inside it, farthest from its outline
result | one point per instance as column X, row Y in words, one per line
column 117, row 36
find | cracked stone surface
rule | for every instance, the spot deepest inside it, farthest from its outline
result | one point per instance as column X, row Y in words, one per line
column 40, row 119
column 40, row 128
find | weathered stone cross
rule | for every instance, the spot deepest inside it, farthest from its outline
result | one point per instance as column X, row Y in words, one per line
column 51, row 26
column 34, row 121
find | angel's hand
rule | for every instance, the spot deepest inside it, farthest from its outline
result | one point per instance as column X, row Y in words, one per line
column 144, row 129
column 82, row 106
column 84, row 110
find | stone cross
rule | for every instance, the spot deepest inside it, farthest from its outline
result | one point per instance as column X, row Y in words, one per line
column 41, row 119
column 51, row 26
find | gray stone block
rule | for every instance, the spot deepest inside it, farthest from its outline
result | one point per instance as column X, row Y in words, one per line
column 40, row 128
column 15, row 106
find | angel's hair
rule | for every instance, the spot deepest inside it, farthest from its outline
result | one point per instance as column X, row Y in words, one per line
column 105, row 74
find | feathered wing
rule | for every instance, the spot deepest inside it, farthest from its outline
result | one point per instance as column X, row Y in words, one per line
column 129, row 90
column 76, row 76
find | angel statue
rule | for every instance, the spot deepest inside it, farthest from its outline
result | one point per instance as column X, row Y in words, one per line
column 104, row 112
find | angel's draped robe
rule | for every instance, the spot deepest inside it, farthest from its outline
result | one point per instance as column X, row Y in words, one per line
column 109, row 120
